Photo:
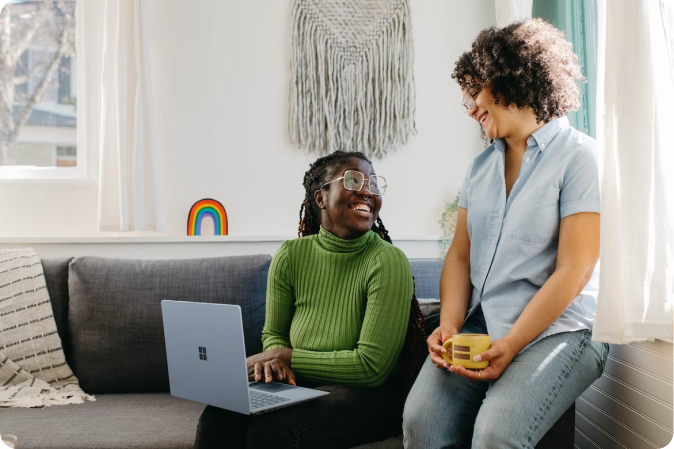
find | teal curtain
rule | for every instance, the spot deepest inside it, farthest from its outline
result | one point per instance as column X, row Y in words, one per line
column 578, row 19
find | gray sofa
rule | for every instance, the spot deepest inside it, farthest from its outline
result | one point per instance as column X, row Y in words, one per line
column 108, row 316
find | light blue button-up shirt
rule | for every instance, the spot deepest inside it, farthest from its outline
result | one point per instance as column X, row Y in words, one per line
column 514, row 239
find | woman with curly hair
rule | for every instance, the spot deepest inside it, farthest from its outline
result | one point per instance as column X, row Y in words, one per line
column 525, row 246
column 341, row 316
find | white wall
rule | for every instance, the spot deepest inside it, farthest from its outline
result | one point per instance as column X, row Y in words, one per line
column 184, row 247
column 220, row 73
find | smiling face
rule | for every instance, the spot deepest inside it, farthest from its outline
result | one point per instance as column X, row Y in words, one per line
column 496, row 120
column 346, row 213
column 493, row 118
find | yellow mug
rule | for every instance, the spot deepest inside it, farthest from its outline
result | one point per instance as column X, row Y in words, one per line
column 465, row 347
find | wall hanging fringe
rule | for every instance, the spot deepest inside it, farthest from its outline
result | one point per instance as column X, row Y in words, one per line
column 352, row 80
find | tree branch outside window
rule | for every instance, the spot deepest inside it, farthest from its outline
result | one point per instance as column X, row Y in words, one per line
column 36, row 39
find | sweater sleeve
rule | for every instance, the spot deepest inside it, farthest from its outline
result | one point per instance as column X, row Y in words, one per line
column 382, row 335
column 280, row 306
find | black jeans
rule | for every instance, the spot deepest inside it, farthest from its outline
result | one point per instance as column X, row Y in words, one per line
column 347, row 417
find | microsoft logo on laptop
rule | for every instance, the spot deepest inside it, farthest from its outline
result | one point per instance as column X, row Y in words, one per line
column 202, row 353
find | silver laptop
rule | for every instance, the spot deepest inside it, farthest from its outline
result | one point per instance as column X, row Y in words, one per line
column 207, row 360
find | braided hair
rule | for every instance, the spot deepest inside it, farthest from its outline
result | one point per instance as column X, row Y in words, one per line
column 415, row 349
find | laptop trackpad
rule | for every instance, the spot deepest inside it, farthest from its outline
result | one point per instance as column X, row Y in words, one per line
column 273, row 387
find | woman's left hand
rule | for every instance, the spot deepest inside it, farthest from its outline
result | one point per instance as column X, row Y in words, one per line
column 499, row 355
column 283, row 354
column 272, row 370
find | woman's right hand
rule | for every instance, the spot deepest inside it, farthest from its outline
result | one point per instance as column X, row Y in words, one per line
column 271, row 370
column 435, row 341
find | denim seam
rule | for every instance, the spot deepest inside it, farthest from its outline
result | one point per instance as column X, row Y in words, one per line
column 556, row 388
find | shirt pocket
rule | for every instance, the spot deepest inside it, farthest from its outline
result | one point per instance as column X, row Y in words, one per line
column 534, row 217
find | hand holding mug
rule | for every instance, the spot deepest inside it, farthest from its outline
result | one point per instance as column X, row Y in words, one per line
column 498, row 356
column 435, row 341
column 464, row 349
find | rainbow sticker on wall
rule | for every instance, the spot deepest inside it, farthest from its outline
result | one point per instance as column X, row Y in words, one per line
column 207, row 208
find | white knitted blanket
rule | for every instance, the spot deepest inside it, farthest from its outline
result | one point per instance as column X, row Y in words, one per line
column 352, row 80
column 33, row 368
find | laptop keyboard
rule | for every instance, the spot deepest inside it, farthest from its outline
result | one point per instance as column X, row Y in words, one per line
column 259, row 400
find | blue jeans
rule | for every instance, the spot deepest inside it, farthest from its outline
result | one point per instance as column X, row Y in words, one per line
column 517, row 409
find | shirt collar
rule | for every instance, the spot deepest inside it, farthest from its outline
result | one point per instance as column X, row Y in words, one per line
column 542, row 136
column 500, row 145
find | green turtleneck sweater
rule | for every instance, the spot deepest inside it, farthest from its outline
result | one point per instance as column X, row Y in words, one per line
column 341, row 305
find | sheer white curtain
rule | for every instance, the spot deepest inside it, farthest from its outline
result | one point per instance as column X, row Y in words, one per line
column 121, row 124
column 636, row 163
column 509, row 11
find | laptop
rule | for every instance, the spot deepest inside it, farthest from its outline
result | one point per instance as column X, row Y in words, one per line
column 207, row 361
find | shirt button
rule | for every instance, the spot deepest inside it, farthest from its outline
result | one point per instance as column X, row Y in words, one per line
column 542, row 145
column 528, row 159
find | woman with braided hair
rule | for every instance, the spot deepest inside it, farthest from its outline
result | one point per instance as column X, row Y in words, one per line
column 341, row 317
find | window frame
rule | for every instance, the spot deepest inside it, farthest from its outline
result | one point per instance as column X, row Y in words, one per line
column 84, row 169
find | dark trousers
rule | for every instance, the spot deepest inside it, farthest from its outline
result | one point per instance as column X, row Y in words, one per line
column 347, row 417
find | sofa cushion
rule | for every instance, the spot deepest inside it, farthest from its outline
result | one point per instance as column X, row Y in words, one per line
column 426, row 274
column 56, row 277
column 429, row 306
column 115, row 323
column 148, row 421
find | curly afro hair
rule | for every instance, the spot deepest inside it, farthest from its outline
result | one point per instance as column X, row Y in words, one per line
column 527, row 63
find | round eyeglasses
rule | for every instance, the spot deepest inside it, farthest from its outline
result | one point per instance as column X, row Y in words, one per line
column 354, row 180
column 469, row 101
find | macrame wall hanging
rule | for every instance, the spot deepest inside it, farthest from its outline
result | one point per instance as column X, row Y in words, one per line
column 352, row 80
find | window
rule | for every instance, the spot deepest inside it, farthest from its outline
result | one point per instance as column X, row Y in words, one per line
column 668, row 15
column 38, row 91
